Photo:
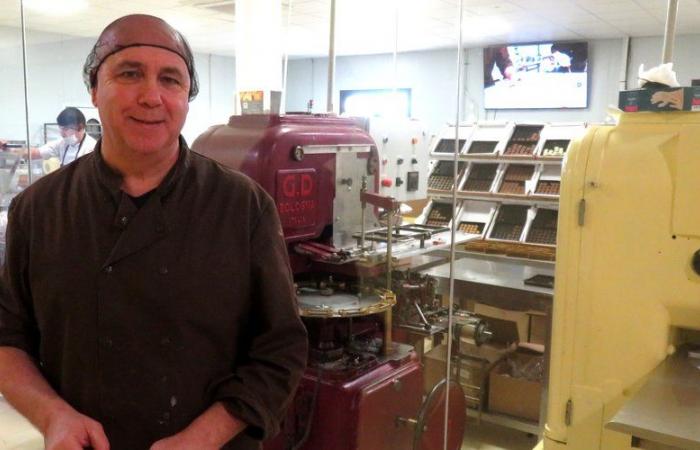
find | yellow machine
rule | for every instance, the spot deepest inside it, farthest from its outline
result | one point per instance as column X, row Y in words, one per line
column 627, row 292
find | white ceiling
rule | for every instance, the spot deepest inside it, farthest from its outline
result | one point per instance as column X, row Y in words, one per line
column 367, row 26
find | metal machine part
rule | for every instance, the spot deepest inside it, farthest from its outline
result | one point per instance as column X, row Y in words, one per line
column 311, row 165
column 469, row 326
column 321, row 172
column 403, row 157
column 644, row 229
column 429, row 429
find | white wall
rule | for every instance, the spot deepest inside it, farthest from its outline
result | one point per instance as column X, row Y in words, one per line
column 431, row 75
column 55, row 81
column 648, row 50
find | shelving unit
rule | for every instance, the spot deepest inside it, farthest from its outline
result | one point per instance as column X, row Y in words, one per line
column 512, row 166
column 508, row 185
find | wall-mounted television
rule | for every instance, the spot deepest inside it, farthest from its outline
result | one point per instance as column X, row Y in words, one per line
column 540, row 75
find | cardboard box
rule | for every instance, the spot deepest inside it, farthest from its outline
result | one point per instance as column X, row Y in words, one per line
column 517, row 397
column 538, row 328
column 660, row 99
column 435, row 369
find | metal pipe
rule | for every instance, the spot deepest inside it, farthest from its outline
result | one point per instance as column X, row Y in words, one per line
column 670, row 31
column 363, row 188
column 625, row 63
column 26, row 89
column 453, row 234
column 331, row 62
column 285, row 64
column 390, row 237
column 387, row 331
column 387, row 314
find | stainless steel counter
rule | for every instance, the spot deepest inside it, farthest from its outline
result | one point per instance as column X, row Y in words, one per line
column 666, row 410
column 497, row 281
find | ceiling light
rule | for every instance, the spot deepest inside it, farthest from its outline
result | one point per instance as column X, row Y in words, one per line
column 485, row 26
column 56, row 8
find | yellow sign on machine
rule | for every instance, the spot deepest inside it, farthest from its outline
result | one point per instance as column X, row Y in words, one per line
column 626, row 289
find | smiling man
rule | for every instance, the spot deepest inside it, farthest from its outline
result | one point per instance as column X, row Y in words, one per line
column 146, row 299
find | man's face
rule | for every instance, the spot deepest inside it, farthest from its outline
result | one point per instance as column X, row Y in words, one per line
column 76, row 131
column 142, row 98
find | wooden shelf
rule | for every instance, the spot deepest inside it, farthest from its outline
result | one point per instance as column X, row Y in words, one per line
column 496, row 197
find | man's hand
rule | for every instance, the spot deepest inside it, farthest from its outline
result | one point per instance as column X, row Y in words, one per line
column 70, row 430
column 185, row 441
column 211, row 430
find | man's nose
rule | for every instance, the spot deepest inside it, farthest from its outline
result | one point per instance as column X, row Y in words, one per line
column 150, row 93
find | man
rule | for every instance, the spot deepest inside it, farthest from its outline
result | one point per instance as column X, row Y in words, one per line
column 147, row 301
column 497, row 58
column 74, row 140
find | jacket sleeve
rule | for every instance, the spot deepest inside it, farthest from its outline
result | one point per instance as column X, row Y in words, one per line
column 261, row 388
column 17, row 323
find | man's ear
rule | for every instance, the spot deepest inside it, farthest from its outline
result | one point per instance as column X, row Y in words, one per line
column 93, row 95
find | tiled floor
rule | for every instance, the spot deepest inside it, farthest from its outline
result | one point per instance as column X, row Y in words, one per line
column 493, row 437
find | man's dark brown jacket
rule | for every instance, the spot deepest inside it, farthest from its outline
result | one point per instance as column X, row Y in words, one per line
column 141, row 318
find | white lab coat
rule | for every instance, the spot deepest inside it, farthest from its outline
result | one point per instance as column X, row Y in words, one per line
column 65, row 153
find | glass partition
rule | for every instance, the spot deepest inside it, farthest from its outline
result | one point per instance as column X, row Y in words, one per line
column 385, row 181
column 14, row 173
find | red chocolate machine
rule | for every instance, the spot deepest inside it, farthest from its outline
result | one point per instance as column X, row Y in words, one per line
column 361, row 390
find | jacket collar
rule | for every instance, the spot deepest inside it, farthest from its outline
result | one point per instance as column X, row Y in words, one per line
column 111, row 180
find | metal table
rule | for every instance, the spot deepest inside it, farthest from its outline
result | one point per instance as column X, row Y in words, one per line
column 497, row 281
column 664, row 413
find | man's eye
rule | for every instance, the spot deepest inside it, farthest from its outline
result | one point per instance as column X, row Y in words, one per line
column 129, row 74
column 171, row 81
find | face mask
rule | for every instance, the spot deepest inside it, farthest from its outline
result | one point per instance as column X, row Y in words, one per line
column 71, row 140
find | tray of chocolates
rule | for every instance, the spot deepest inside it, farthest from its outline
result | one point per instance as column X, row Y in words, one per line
column 523, row 140
column 482, row 147
column 448, row 146
column 480, row 177
column 543, row 229
column 509, row 223
column 515, row 177
column 471, row 227
column 547, row 187
column 548, row 180
column 442, row 175
column 554, row 148
column 440, row 215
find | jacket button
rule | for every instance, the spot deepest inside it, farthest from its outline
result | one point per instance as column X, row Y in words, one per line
column 163, row 270
column 124, row 220
column 106, row 342
column 109, row 269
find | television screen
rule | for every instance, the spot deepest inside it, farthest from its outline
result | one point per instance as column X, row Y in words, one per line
column 543, row 75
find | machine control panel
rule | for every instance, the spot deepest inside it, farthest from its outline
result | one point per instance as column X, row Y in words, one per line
column 403, row 150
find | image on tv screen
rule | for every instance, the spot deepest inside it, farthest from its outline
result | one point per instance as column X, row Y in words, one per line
column 543, row 75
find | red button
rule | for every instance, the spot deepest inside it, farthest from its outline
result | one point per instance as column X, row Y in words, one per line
column 386, row 182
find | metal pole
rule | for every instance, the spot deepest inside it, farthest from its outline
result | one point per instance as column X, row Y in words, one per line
column 454, row 225
column 26, row 89
column 283, row 100
column 670, row 32
column 390, row 237
column 387, row 313
column 362, row 218
column 331, row 61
